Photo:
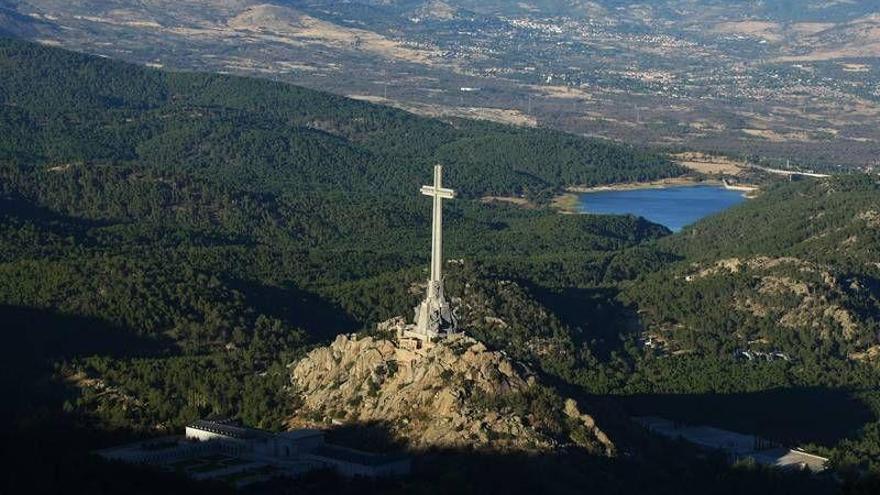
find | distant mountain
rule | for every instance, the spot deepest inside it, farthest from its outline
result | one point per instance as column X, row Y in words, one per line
column 856, row 39
column 778, row 10
column 705, row 74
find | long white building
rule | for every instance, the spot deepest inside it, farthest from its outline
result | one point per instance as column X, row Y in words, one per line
column 224, row 450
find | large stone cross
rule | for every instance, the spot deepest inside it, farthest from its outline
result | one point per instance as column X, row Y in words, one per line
column 433, row 316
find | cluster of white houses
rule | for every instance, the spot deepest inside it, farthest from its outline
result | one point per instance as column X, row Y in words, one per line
column 221, row 449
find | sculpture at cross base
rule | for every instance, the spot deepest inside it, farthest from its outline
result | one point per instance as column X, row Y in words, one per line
column 434, row 316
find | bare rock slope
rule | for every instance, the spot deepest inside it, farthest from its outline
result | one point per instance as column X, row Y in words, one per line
column 455, row 394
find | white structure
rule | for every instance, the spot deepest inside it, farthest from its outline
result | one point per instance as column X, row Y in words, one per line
column 434, row 316
column 237, row 439
column 736, row 446
column 225, row 451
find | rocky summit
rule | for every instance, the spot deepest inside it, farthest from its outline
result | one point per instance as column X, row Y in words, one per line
column 452, row 394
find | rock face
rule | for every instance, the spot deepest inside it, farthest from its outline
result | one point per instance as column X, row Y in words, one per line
column 452, row 394
column 798, row 295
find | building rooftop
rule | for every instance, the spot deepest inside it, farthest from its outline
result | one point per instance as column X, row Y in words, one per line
column 300, row 434
column 255, row 456
column 227, row 429
column 791, row 459
column 705, row 436
column 737, row 444
column 352, row 456
column 150, row 445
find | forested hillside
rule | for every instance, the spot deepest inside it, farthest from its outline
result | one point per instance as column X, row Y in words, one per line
column 170, row 243
column 61, row 108
column 796, row 269
column 795, row 272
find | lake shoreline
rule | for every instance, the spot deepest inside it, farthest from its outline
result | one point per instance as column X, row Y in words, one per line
column 569, row 201
column 673, row 206
column 567, row 204
column 654, row 184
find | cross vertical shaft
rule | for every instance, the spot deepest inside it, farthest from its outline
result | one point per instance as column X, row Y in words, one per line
column 438, row 193
column 437, row 231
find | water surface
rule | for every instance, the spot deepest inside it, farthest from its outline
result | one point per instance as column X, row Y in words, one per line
column 674, row 207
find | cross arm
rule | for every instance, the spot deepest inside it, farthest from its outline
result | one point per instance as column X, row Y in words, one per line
column 441, row 192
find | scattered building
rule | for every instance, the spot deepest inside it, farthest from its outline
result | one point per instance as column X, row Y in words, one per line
column 752, row 355
column 223, row 450
column 649, row 342
column 737, row 446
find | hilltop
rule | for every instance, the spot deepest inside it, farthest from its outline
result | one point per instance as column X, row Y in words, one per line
column 455, row 394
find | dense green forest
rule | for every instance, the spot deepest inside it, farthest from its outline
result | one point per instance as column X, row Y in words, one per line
column 170, row 242
column 61, row 108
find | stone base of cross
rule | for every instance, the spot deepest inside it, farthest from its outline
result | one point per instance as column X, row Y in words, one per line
column 434, row 316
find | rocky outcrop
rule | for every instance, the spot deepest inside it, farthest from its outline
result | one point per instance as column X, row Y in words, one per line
column 455, row 393
column 798, row 294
